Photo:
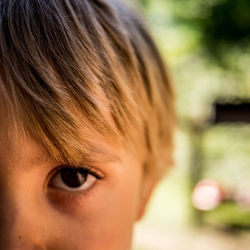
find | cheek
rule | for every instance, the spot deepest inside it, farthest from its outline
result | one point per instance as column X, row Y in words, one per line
column 106, row 216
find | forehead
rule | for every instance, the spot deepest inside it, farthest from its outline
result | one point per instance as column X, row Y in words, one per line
column 14, row 141
column 23, row 149
column 17, row 144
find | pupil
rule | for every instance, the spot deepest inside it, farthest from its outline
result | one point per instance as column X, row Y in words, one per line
column 73, row 177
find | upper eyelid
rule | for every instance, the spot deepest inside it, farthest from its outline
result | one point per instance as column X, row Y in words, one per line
column 91, row 170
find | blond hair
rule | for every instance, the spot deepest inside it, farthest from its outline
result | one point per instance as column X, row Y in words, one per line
column 64, row 63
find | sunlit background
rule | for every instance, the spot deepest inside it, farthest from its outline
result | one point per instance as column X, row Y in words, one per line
column 204, row 203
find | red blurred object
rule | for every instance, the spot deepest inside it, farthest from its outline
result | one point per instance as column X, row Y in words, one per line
column 207, row 195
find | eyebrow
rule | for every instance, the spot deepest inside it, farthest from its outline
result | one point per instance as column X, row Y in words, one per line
column 97, row 154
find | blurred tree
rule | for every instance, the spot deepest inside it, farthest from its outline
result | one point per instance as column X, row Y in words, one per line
column 226, row 25
column 223, row 25
column 144, row 3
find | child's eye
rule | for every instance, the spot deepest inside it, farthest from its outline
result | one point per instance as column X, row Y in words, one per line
column 73, row 179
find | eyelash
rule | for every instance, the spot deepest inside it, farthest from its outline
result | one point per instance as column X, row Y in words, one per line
column 74, row 194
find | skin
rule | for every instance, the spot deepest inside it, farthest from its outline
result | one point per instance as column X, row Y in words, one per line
column 35, row 213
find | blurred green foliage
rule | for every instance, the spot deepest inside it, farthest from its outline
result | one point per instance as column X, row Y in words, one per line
column 229, row 215
column 206, row 44
column 222, row 24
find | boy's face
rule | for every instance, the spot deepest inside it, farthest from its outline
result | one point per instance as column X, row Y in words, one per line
column 45, row 207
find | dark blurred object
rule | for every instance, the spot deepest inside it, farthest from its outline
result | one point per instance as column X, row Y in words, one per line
column 232, row 112
column 228, row 24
